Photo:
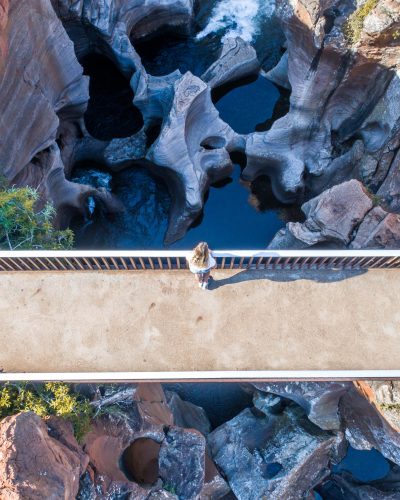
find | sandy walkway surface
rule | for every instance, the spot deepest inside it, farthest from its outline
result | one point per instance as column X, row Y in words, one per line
column 161, row 321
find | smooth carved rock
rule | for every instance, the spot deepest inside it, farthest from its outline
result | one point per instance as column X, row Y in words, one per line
column 279, row 74
column 109, row 26
column 41, row 85
column 35, row 465
column 238, row 59
column 318, row 399
column 330, row 217
column 182, row 462
column 365, row 426
column 334, row 91
column 193, row 151
column 350, row 405
column 274, row 456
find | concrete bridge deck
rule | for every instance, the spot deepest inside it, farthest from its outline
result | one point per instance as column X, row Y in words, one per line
column 161, row 321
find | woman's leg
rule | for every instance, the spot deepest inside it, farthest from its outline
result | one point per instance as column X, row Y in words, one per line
column 206, row 277
column 199, row 277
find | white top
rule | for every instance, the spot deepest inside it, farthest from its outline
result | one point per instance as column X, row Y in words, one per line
column 195, row 269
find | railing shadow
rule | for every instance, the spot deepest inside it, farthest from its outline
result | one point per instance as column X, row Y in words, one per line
column 283, row 275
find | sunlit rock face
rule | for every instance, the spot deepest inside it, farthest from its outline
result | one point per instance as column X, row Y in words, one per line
column 342, row 216
column 38, row 459
column 338, row 96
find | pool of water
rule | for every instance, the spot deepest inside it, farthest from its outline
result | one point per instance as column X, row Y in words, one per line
column 110, row 111
column 235, row 215
column 364, row 465
column 250, row 105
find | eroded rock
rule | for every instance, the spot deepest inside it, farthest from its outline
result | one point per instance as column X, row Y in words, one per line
column 331, row 217
column 276, row 456
column 319, row 400
column 238, row 59
column 192, row 151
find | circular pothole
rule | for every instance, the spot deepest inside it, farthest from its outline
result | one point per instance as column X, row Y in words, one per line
column 140, row 461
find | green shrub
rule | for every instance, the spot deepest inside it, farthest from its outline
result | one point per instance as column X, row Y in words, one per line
column 354, row 25
column 47, row 399
column 22, row 227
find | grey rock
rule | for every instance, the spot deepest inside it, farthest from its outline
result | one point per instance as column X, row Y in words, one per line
column 192, row 151
column 351, row 489
column 318, row 399
column 182, row 462
column 331, row 217
column 121, row 151
column 187, row 414
column 238, row 59
column 279, row 74
column 275, row 456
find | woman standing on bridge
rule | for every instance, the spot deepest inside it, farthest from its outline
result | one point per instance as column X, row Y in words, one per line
column 201, row 262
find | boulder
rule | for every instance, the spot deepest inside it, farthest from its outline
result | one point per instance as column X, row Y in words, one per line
column 331, row 217
column 34, row 463
column 319, row 400
column 182, row 462
column 274, row 456
column 187, row 414
column 379, row 229
column 237, row 60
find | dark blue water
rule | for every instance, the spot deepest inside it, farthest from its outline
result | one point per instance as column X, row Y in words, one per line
column 235, row 214
column 249, row 105
column 364, row 465
column 110, row 111
column 166, row 53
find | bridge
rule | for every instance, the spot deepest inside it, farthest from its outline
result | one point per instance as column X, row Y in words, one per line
column 140, row 315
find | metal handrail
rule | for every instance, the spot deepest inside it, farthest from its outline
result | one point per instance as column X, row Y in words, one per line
column 136, row 260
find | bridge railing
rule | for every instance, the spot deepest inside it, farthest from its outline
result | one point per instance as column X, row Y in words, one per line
column 140, row 260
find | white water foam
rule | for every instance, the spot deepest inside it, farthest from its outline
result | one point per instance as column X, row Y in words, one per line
column 238, row 18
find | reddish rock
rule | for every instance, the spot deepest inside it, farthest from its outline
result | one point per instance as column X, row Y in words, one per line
column 331, row 218
column 4, row 6
column 34, row 465
column 379, row 229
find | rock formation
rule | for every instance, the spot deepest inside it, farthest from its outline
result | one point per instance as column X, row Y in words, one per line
column 148, row 444
column 343, row 121
column 156, row 452
column 35, row 462
column 343, row 216
column 345, row 406
column 274, row 455
column 316, row 145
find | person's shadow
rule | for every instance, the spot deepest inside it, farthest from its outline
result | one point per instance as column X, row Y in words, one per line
column 283, row 275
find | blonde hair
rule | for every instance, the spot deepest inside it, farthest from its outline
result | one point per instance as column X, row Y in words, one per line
column 201, row 255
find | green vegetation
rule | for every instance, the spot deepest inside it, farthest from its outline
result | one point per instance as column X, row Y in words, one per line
column 169, row 488
column 23, row 227
column 354, row 25
column 45, row 400
column 390, row 406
